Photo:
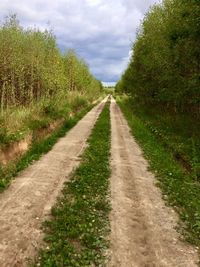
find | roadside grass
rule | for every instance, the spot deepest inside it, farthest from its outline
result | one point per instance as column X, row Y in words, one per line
column 76, row 233
column 17, row 122
column 178, row 132
column 37, row 149
column 180, row 188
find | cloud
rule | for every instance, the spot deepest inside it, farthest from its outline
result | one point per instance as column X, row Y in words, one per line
column 109, row 84
column 100, row 31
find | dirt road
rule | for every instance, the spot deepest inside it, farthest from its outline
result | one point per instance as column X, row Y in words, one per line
column 142, row 227
column 24, row 205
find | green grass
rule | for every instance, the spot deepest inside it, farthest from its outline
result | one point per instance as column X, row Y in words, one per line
column 178, row 132
column 180, row 188
column 76, row 234
column 38, row 148
column 17, row 122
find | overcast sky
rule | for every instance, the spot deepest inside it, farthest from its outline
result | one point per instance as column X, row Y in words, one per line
column 100, row 31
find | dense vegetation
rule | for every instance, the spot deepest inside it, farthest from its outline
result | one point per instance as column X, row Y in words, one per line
column 39, row 87
column 37, row 81
column 162, row 106
column 163, row 78
column 76, row 234
column 165, row 64
column 32, row 67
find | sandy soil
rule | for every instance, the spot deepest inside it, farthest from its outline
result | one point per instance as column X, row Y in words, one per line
column 142, row 227
column 26, row 203
column 13, row 150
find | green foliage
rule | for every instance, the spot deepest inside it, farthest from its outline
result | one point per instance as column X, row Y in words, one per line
column 37, row 83
column 163, row 82
column 164, row 68
column 170, row 129
column 3, row 135
column 180, row 188
column 32, row 68
column 76, row 233
column 79, row 78
column 78, row 102
column 109, row 90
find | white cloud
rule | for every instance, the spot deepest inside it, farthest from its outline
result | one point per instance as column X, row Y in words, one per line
column 109, row 84
column 99, row 30
column 93, row 2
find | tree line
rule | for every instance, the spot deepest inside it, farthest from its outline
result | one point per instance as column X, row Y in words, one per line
column 33, row 68
column 165, row 65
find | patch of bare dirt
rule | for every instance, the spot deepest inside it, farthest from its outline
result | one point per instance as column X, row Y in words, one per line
column 26, row 203
column 14, row 150
column 142, row 228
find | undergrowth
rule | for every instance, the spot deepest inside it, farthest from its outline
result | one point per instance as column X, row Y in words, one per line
column 178, row 132
column 8, row 172
column 76, row 233
column 17, row 122
column 180, row 187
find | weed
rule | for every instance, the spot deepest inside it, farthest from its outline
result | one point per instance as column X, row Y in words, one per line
column 78, row 102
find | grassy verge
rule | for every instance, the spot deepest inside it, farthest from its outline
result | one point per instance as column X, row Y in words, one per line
column 180, row 188
column 76, row 233
column 17, row 122
column 7, row 173
column 178, row 132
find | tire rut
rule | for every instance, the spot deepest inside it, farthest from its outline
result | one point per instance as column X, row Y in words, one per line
column 28, row 200
column 142, row 227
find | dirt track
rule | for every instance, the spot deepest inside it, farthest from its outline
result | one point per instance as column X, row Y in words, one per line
column 142, row 227
column 24, row 205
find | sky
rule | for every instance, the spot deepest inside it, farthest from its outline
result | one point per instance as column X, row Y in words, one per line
column 100, row 31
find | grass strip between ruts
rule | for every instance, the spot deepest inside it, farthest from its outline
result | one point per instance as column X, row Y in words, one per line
column 37, row 150
column 76, row 234
column 179, row 188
